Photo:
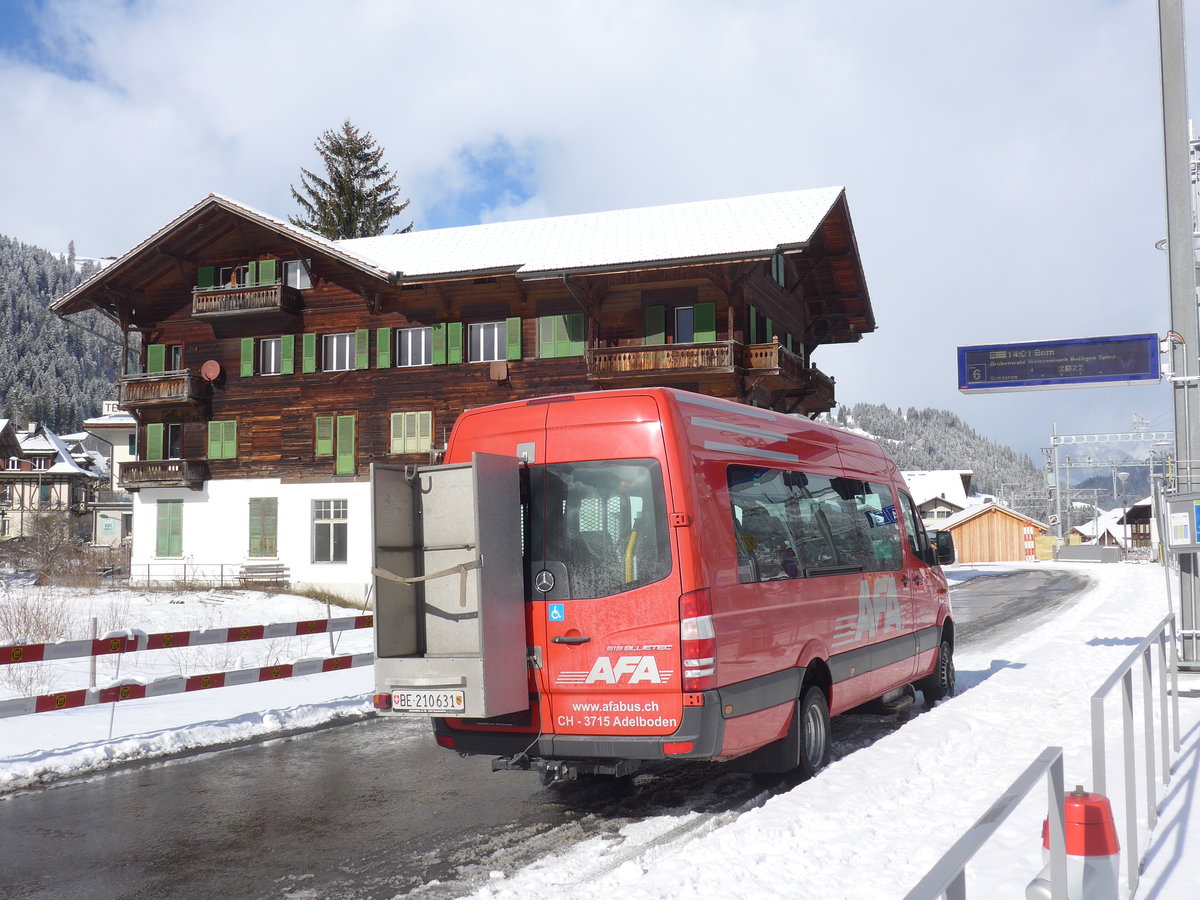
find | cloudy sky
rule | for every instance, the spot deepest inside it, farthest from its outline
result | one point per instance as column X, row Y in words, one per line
column 1002, row 161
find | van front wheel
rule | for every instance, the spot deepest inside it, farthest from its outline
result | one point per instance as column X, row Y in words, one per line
column 940, row 684
column 813, row 725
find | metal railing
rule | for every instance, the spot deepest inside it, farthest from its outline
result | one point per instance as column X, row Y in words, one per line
column 1124, row 675
column 948, row 876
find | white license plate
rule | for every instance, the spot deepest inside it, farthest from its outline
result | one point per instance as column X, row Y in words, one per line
column 448, row 703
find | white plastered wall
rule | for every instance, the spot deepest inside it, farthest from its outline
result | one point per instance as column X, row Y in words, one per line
column 216, row 534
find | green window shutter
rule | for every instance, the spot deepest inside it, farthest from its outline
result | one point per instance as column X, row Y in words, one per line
column 247, row 357
column 266, row 271
column 204, row 278
column 156, row 358
column 252, row 272
column 345, row 446
column 154, row 441
column 229, row 439
column 753, row 313
column 309, row 363
column 214, row 440
column 705, row 321
column 438, row 344
column 397, row 435
column 264, row 526
column 454, row 352
column 512, row 338
column 424, row 430
column 576, row 325
column 323, row 426
column 547, row 348
column 770, row 331
column 656, row 325
column 170, row 528
column 362, row 347
column 287, row 354
column 383, row 348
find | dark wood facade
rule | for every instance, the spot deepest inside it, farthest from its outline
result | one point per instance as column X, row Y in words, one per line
column 761, row 320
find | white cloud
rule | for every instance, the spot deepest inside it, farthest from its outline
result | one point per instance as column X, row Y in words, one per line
column 1002, row 161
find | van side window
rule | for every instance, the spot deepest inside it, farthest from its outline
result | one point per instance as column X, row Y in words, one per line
column 791, row 524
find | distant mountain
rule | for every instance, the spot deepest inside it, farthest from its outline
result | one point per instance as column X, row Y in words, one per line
column 54, row 371
column 926, row 439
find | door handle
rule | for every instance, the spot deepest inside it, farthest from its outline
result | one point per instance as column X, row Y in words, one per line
column 563, row 639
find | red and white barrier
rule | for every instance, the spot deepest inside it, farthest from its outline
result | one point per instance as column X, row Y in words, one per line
column 134, row 641
column 136, row 690
column 1093, row 852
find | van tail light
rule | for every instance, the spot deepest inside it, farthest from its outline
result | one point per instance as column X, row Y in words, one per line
column 382, row 701
column 697, row 641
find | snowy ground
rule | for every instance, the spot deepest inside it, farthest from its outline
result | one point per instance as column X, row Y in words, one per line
column 869, row 826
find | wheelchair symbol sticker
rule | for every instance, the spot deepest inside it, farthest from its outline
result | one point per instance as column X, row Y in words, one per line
column 557, row 612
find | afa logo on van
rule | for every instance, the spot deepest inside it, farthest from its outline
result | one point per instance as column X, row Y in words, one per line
column 879, row 612
column 626, row 669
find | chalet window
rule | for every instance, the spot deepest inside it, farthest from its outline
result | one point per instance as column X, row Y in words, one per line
column 170, row 528
column 414, row 347
column 778, row 270
column 164, row 441
column 132, row 445
column 45, row 493
column 268, row 356
column 690, row 323
column 264, row 526
column 6, row 493
column 295, row 274
column 334, row 436
column 412, row 431
column 222, row 439
column 163, row 358
column 337, row 352
column 330, row 526
column 560, row 336
column 4, row 527
column 762, row 329
column 41, row 462
column 491, row 341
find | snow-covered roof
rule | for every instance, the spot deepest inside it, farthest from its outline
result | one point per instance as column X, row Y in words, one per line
column 949, row 484
column 40, row 440
column 119, row 419
column 711, row 229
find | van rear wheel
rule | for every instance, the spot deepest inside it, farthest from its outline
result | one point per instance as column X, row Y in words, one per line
column 812, row 722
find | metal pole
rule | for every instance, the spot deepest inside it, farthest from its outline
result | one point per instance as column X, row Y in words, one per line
column 1057, row 485
column 1182, row 266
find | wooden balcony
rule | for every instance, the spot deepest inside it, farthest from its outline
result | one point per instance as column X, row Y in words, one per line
column 768, row 369
column 252, row 299
column 160, row 390
column 149, row 473
column 658, row 363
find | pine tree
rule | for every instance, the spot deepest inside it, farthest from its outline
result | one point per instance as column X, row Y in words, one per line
column 358, row 195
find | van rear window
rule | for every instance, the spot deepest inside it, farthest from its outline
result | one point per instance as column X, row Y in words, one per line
column 597, row 528
column 791, row 524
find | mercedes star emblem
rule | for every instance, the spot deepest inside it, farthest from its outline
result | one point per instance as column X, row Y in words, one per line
column 544, row 581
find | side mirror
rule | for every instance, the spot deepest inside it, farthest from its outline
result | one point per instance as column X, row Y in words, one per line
column 944, row 546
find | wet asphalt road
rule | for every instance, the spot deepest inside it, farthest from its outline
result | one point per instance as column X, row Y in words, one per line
column 374, row 809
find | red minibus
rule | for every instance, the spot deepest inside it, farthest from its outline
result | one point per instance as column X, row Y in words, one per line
column 703, row 580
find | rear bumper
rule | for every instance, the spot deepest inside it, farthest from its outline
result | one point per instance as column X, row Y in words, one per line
column 701, row 726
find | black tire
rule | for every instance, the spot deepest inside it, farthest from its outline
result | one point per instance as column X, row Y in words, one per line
column 813, row 733
column 940, row 684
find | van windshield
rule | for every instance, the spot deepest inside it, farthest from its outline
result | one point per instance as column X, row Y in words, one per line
column 593, row 529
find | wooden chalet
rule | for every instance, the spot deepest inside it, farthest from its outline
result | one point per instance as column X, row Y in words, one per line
column 267, row 352
column 991, row 532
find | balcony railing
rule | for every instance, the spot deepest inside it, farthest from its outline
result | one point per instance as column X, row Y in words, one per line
column 176, row 388
column 189, row 473
column 605, row 362
column 775, row 356
column 265, row 298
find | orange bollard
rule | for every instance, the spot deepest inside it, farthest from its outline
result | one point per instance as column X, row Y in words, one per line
column 1093, row 852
